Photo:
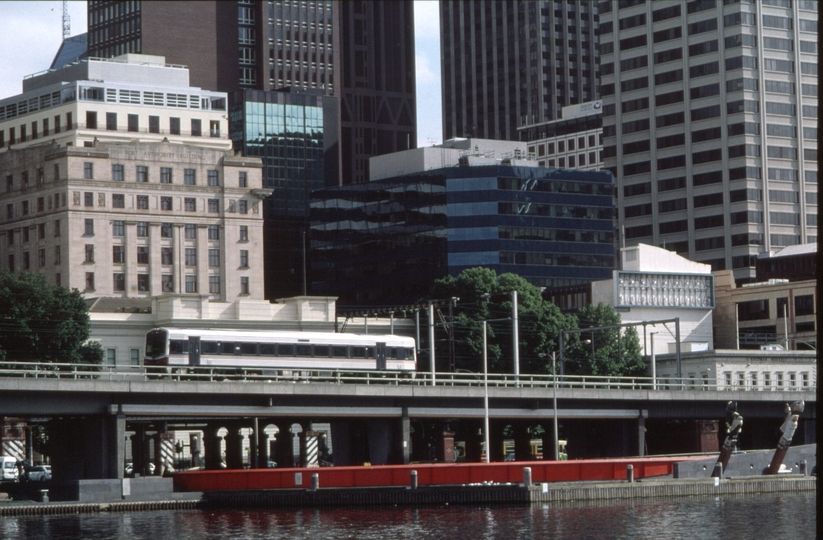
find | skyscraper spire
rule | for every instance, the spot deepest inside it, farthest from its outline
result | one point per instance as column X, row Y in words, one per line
column 66, row 21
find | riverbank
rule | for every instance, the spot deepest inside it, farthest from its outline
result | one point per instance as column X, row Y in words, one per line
column 505, row 494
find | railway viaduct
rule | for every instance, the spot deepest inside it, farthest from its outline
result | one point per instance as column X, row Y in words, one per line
column 381, row 420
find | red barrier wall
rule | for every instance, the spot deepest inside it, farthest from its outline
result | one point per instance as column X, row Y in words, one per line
column 428, row 474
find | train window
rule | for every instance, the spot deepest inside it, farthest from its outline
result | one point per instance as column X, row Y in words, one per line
column 358, row 352
column 268, row 349
column 248, row 348
column 339, row 351
column 227, row 347
column 210, row 347
column 178, row 346
column 285, row 349
column 398, row 353
column 303, row 350
column 370, row 352
column 321, row 351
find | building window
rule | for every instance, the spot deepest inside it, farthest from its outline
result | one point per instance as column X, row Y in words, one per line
column 56, row 255
column 118, row 228
column 89, row 253
column 196, row 127
column 166, row 256
column 214, row 232
column 244, row 233
column 142, row 254
column 191, row 283
column 118, row 254
column 804, row 305
column 214, row 206
column 191, row 256
column 174, row 126
column 214, row 284
column 91, row 120
column 142, row 202
column 118, row 200
column 214, row 257
column 244, row 285
column 191, row 231
column 119, row 282
column 244, row 258
column 243, row 206
column 134, row 122
column 89, row 227
column 143, row 282
column 213, row 178
column 11, row 262
column 26, row 261
column 242, row 179
column 142, row 173
column 189, row 177
column 41, row 257
column 111, row 121
column 142, row 229
column 41, row 231
column 154, row 124
column 89, row 281
column 190, row 204
column 165, row 203
column 88, row 170
column 214, row 128
column 165, row 175
column 111, row 357
column 135, row 356
column 167, row 283
column 117, row 172
column 166, row 230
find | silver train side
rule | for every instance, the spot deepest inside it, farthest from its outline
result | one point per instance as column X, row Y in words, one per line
column 174, row 349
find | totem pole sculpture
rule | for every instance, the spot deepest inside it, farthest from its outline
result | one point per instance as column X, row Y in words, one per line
column 734, row 423
column 788, row 428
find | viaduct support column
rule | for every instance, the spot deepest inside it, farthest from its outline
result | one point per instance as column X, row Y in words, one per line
column 641, row 434
column 117, row 445
column 211, row 445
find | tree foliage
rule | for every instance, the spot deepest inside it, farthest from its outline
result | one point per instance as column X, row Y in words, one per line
column 40, row 322
column 600, row 352
column 539, row 321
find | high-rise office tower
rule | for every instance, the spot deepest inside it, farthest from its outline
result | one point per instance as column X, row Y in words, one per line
column 359, row 51
column 710, row 125
column 510, row 64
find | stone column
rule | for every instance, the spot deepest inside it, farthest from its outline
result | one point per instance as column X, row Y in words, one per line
column 234, row 447
column 211, row 446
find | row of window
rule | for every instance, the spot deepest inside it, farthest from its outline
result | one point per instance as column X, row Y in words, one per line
column 166, row 283
column 166, row 203
column 44, row 128
column 166, row 256
column 179, row 346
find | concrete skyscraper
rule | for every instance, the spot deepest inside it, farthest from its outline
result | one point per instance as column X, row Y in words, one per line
column 510, row 64
column 710, row 125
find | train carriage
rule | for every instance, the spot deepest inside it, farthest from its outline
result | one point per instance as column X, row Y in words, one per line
column 182, row 348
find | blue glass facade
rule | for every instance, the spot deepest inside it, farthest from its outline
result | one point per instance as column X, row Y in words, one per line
column 383, row 243
column 288, row 131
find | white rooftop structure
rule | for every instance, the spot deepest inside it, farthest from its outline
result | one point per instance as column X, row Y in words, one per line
column 131, row 98
column 452, row 153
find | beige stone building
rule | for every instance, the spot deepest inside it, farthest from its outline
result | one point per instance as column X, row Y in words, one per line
column 134, row 220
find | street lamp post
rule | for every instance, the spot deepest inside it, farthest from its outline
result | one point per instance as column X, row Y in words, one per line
column 554, row 399
column 486, row 394
column 654, row 362
column 516, row 339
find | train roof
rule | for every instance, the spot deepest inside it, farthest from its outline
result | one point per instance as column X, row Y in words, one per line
column 284, row 334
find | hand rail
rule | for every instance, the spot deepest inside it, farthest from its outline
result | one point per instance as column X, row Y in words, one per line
column 38, row 370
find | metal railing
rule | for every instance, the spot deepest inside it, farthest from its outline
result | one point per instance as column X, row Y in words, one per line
column 34, row 370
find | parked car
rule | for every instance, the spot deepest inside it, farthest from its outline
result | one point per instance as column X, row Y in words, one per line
column 39, row 473
column 8, row 468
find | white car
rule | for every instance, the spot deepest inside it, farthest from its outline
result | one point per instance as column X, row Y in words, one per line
column 39, row 473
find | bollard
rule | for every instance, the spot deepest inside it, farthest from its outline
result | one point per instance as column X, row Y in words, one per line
column 718, row 470
column 315, row 482
column 43, row 495
column 802, row 468
column 630, row 473
column 414, row 479
column 527, row 477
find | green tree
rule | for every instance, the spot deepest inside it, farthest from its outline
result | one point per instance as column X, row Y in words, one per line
column 540, row 322
column 600, row 352
column 40, row 322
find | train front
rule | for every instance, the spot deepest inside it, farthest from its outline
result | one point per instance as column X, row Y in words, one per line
column 157, row 347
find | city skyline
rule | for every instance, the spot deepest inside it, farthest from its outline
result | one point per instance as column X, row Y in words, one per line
column 31, row 33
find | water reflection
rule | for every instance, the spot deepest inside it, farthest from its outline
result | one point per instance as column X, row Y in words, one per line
column 764, row 516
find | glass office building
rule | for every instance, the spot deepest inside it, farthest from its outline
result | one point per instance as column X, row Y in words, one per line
column 287, row 130
column 385, row 242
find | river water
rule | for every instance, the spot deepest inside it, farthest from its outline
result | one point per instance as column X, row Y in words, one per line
column 735, row 517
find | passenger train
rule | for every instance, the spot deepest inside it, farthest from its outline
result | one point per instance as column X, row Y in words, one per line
column 182, row 348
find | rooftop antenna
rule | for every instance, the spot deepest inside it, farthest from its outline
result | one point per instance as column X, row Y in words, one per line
column 66, row 20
